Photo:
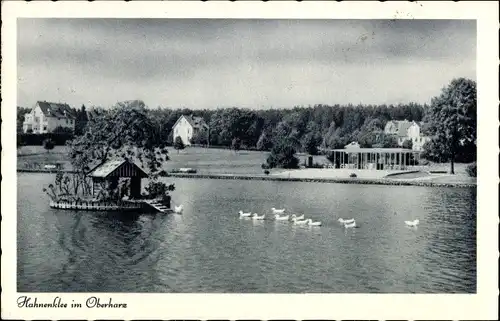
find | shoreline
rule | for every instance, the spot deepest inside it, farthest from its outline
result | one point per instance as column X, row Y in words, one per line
column 260, row 177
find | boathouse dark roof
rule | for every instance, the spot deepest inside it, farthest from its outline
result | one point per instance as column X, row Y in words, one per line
column 118, row 168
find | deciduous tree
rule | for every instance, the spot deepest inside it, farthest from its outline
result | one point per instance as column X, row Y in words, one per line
column 452, row 117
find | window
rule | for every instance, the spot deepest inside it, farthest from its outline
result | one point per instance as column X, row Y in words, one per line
column 67, row 121
column 44, row 127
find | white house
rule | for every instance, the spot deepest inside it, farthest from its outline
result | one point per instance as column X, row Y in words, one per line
column 47, row 116
column 188, row 126
column 415, row 136
column 406, row 130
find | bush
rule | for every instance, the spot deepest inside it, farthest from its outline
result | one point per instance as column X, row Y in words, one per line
column 353, row 175
column 48, row 144
column 282, row 156
column 37, row 139
column 266, row 172
column 163, row 173
column 471, row 170
column 424, row 162
column 158, row 189
column 264, row 166
column 178, row 143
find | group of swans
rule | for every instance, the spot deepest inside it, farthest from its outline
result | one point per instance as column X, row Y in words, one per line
column 253, row 216
column 350, row 223
column 278, row 216
column 299, row 220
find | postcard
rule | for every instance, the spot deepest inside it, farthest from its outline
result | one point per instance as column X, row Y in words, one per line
column 249, row 160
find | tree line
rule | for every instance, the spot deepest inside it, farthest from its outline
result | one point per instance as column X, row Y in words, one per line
column 450, row 119
column 305, row 127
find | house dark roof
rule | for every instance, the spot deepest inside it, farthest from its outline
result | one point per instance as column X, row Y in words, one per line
column 56, row 110
column 402, row 127
column 118, row 168
column 195, row 122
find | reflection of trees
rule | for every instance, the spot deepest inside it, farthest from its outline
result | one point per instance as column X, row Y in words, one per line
column 72, row 241
column 127, row 237
column 451, row 243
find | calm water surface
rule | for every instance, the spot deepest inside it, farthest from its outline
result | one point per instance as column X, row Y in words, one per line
column 210, row 249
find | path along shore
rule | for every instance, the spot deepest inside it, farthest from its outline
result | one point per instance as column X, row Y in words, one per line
column 443, row 180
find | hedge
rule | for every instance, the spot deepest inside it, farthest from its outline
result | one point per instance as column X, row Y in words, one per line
column 37, row 139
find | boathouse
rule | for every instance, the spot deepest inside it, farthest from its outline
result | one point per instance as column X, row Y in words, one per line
column 109, row 173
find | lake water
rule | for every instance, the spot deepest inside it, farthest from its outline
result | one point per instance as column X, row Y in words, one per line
column 210, row 249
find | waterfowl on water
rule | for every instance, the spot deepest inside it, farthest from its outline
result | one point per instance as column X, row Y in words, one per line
column 346, row 221
column 350, row 225
column 295, row 217
column 178, row 209
column 412, row 223
column 256, row 216
column 244, row 214
column 277, row 217
column 311, row 223
column 278, row 211
column 300, row 222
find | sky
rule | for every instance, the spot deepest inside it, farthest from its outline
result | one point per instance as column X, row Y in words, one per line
column 207, row 63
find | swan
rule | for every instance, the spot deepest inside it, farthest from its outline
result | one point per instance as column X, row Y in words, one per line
column 281, row 218
column 301, row 222
column 245, row 214
column 295, row 217
column 412, row 223
column 256, row 216
column 178, row 209
column 346, row 221
column 348, row 225
column 276, row 211
column 311, row 223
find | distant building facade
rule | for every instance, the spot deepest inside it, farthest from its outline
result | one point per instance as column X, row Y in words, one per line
column 47, row 116
column 406, row 130
column 188, row 126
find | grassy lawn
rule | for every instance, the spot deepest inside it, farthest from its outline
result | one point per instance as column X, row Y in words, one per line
column 33, row 150
column 204, row 160
column 208, row 160
column 225, row 161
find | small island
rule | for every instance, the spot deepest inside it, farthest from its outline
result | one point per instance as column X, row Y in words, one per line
column 105, row 175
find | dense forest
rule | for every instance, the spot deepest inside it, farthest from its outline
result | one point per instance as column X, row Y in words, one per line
column 304, row 127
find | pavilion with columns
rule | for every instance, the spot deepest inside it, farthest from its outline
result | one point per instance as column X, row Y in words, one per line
column 375, row 158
